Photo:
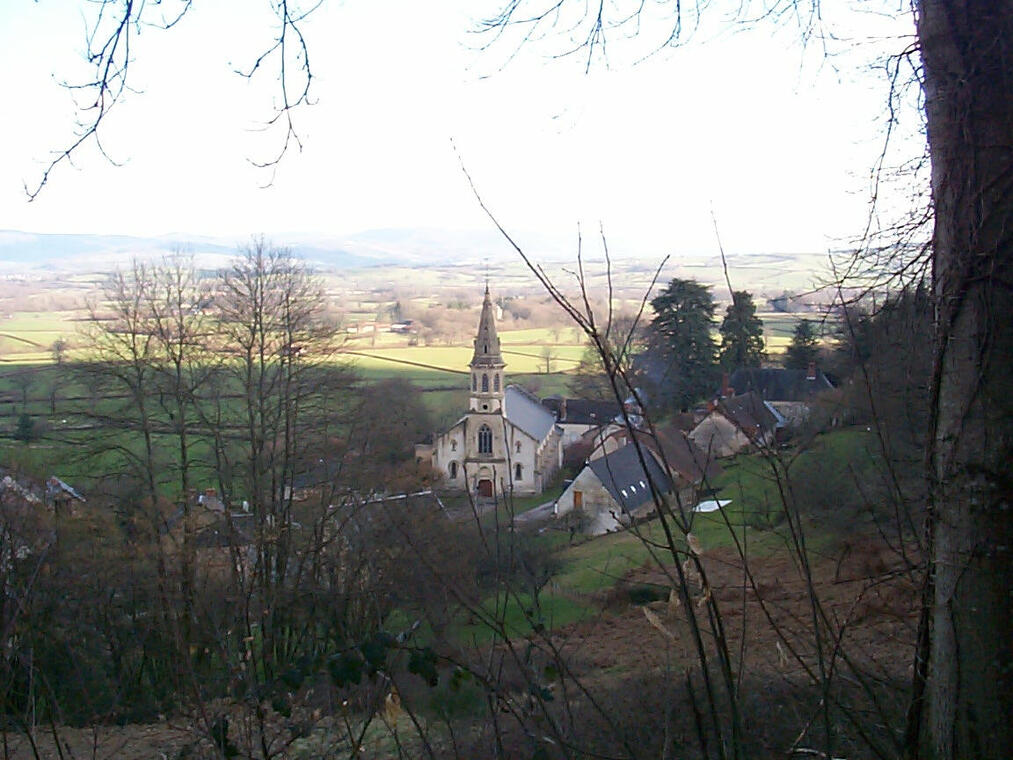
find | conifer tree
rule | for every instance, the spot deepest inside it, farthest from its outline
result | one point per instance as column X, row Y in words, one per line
column 804, row 347
column 680, row 366
column 741, row 334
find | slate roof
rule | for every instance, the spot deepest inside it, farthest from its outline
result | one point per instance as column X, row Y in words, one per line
column 579, row 411
column 749, row 413
column 779, row 384
column 524, row 410
column 685, row 457
column 625, row 479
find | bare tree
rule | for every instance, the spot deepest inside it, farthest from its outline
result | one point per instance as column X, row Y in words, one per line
column 113, row 33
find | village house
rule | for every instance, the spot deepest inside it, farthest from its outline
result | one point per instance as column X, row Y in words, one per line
column 790, row 392
column 612, row 491
column 735, row 424
column 577, row 416
column 597, row 492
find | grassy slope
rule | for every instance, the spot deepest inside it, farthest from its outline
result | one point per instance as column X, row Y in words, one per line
column 594, row 566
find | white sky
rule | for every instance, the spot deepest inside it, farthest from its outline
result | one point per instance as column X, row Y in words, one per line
column 777, row 141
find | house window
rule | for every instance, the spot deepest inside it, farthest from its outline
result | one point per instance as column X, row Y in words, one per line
column 517, row 447
column 495, row 382
column 453, row 470
column 485, row 440
column 453, row 445
column 485, row 383
column 517, row 471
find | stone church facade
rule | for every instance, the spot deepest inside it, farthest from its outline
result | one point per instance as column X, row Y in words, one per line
column 506, row 440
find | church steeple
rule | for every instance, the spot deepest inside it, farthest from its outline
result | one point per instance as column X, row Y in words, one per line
column 487, row 362
column 487, row 351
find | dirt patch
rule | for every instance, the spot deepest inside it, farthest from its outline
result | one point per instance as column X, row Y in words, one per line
column 867, row 611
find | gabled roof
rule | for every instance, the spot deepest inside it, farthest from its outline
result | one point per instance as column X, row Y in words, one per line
column 625, row 478
column 774, row 384
column 748, row 413
column 685, row 457
column 579, row 411
column 524, row 410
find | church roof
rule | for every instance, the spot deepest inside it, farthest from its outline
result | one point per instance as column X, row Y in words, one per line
column 487, row 352
column 524, row 410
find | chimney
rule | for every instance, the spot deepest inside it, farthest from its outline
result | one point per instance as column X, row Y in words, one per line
column 727, row 391
column 811, row 372
column 562, row 410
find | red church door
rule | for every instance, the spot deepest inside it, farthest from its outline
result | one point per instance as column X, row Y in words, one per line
column 485, row 489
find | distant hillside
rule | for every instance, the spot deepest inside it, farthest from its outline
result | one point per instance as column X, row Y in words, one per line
column 761, row 272
column 28, row 250
column 412, row 247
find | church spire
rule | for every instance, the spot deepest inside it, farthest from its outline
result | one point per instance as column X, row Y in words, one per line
column 487, row 383
column 487, row 351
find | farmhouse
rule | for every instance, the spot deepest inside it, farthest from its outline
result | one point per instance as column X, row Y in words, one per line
column 506, row 441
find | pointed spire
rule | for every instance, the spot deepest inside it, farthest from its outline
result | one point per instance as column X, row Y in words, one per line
column 487, row 351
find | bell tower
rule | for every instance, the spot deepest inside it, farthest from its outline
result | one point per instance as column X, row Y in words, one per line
column 487, row 363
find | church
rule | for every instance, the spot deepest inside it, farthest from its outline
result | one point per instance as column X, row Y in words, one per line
column 506, row 441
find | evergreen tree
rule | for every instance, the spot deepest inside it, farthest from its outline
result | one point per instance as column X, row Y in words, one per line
column 804, row 347
column 24, row 431
column 680, row 366
column 741, row 334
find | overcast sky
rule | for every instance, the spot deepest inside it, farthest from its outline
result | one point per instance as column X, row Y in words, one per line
column 779, row 142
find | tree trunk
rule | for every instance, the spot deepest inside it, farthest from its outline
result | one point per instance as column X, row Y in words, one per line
column 967, row 51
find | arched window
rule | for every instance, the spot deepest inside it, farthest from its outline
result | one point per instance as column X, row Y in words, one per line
column 485, row 440
column 485, row 383
column 453, row 445
column 453, row 470
column 474, row 382
column 517, row 471
column 495, row 382
column 517, row 447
